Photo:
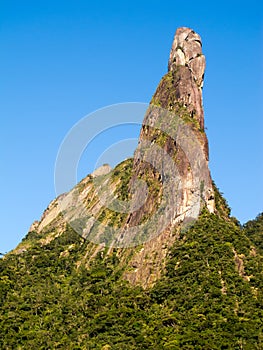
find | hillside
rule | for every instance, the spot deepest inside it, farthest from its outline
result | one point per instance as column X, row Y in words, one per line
column 173, row 270
column 210, row 296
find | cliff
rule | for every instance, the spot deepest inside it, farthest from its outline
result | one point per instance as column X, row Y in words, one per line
column 145, row 255
column 166, row 184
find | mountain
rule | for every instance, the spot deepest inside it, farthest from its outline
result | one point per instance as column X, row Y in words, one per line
column 172, row 270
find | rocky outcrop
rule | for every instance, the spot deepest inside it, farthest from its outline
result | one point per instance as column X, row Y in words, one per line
column 187, row 51
column 173, row 152
column 175, row 123
column 169, row 177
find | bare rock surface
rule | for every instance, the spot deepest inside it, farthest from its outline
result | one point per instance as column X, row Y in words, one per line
column 171, row 158
column 187, row 51
column 175, row 123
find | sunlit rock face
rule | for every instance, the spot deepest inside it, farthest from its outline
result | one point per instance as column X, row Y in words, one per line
column 187, row 51
column 175, row 123
column 173, row 155
column 168, row 181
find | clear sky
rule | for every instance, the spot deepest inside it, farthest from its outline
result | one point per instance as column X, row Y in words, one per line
column 61, row 60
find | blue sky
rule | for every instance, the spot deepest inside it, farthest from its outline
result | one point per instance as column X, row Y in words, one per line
column 61, row 60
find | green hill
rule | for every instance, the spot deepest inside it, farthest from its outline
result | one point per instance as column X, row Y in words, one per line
column 210, row 296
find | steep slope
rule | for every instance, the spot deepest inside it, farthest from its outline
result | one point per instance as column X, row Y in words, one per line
column 209, row 298
column 174, row 271
column 166, row 184
column 254, row 230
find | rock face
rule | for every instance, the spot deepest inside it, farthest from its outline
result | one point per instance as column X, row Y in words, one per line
column 173, row 146
column 169, row 177
column 187, row 51
column 187, row 66
column 175, row 122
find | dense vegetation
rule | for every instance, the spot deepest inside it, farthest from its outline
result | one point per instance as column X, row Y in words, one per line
column 254, row 230
column 210, row 297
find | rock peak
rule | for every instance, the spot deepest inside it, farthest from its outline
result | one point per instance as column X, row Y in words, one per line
column 187, row 51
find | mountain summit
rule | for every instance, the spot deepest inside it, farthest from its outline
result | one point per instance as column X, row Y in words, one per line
column 175, row 122
column 165, row 185
column 145, row 255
